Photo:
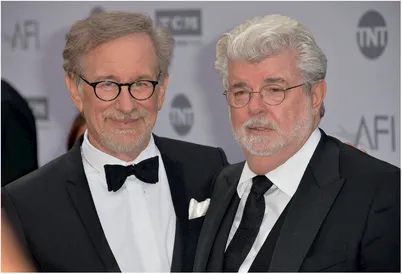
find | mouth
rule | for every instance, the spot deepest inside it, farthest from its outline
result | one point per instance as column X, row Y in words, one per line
column 125, row 123
column 259, row 129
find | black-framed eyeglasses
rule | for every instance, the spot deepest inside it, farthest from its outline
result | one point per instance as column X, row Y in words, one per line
column 140, row 90
column 271, row 94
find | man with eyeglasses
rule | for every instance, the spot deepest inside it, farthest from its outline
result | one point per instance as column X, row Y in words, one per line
column 119, row 199
column 302, row 200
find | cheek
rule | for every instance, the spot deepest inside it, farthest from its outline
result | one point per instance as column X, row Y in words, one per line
column 236, row 117
column 292, row 115
column 93, row 117
column 93, row 113
column 150, row 105
column 282, row 117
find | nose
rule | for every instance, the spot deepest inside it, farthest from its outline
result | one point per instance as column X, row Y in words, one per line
column 125, row 102
column 256, row 104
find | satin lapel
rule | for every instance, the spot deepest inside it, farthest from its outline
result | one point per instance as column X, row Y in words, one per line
column 225, row 189
column 80, row 194
column 178, row 190
column 309, row 206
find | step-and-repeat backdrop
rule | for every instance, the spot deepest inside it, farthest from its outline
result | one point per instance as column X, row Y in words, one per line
column 360, row 39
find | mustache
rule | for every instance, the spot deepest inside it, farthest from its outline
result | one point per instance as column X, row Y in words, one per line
column 260, row 122
column 121, row 116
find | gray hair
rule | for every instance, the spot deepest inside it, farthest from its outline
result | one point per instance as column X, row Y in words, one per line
column 264, row 36
column 87, row 34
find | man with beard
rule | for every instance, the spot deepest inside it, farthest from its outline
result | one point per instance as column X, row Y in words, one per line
column 302, row 200
column 119, row 199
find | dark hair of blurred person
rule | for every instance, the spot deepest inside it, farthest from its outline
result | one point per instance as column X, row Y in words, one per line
column 77, row 129
column 19, row 154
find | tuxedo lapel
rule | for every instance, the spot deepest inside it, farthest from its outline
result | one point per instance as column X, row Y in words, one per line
column 223, row 195
column 178, row 191
column 216, row 257
column 80, row 194
column 308, row 208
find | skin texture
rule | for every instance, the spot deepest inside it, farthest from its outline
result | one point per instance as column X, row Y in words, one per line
column 122, row 127
column 269, row 135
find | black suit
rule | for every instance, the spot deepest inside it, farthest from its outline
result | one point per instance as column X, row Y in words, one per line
column 344, row 216
column 53, row 210
column 18, row 136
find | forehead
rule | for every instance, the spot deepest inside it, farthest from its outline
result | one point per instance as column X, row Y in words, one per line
column 281, row 65
column 124, row 57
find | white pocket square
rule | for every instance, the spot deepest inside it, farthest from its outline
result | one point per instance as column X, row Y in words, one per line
column 197, row 209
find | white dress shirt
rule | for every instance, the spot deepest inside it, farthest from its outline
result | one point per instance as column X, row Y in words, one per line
column 138, row 220
column 286, row 179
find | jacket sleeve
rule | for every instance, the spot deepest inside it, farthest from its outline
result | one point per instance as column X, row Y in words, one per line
column 380, row 247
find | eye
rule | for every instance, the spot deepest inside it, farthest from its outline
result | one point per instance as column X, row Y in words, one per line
column 142, row 84
column 273, row 88
column 106, row 85
column 239, row 93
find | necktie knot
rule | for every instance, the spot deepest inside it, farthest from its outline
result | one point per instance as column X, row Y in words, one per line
column 261, row 184
column 146, row 171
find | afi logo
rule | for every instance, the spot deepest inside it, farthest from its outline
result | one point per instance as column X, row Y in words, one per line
column 372, row 34
column 180, row 22
column 378, row 132
column 382, row 125
column 25, row 35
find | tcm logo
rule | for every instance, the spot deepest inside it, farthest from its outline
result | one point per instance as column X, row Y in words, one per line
column 180, row 22
column 370, row 132
column 372, row 34
column 25, row 35
column 39, row 107
column 181, row 115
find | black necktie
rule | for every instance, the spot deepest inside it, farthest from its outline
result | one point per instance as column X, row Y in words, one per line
column 146, row 171
column 249, row 227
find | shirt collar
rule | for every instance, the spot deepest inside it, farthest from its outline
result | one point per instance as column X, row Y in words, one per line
column 288, row 175
column 97, row 158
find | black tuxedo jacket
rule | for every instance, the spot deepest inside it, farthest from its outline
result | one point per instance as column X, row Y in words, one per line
column 18, row 136
column 54, row 214
column 344, row 216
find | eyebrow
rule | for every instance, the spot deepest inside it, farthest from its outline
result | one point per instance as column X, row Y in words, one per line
column 97, row 78
column 274, row 80
column 238, row 85
column 115, row 78
column 269, row 80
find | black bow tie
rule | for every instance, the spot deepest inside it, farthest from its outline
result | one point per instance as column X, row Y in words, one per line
column 146, row 171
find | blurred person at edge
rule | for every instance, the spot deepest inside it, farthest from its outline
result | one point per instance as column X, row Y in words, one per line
column 77, row 129
column 19, row 153
column 14, row 256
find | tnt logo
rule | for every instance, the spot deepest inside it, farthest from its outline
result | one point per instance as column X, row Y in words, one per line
column 181, row 115
column 372, row 34
column 180, row 22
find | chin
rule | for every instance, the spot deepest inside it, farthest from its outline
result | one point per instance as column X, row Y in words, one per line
column 124, row 147
column 262, row 148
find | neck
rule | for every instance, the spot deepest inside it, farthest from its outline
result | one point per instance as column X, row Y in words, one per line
column 261, row 165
